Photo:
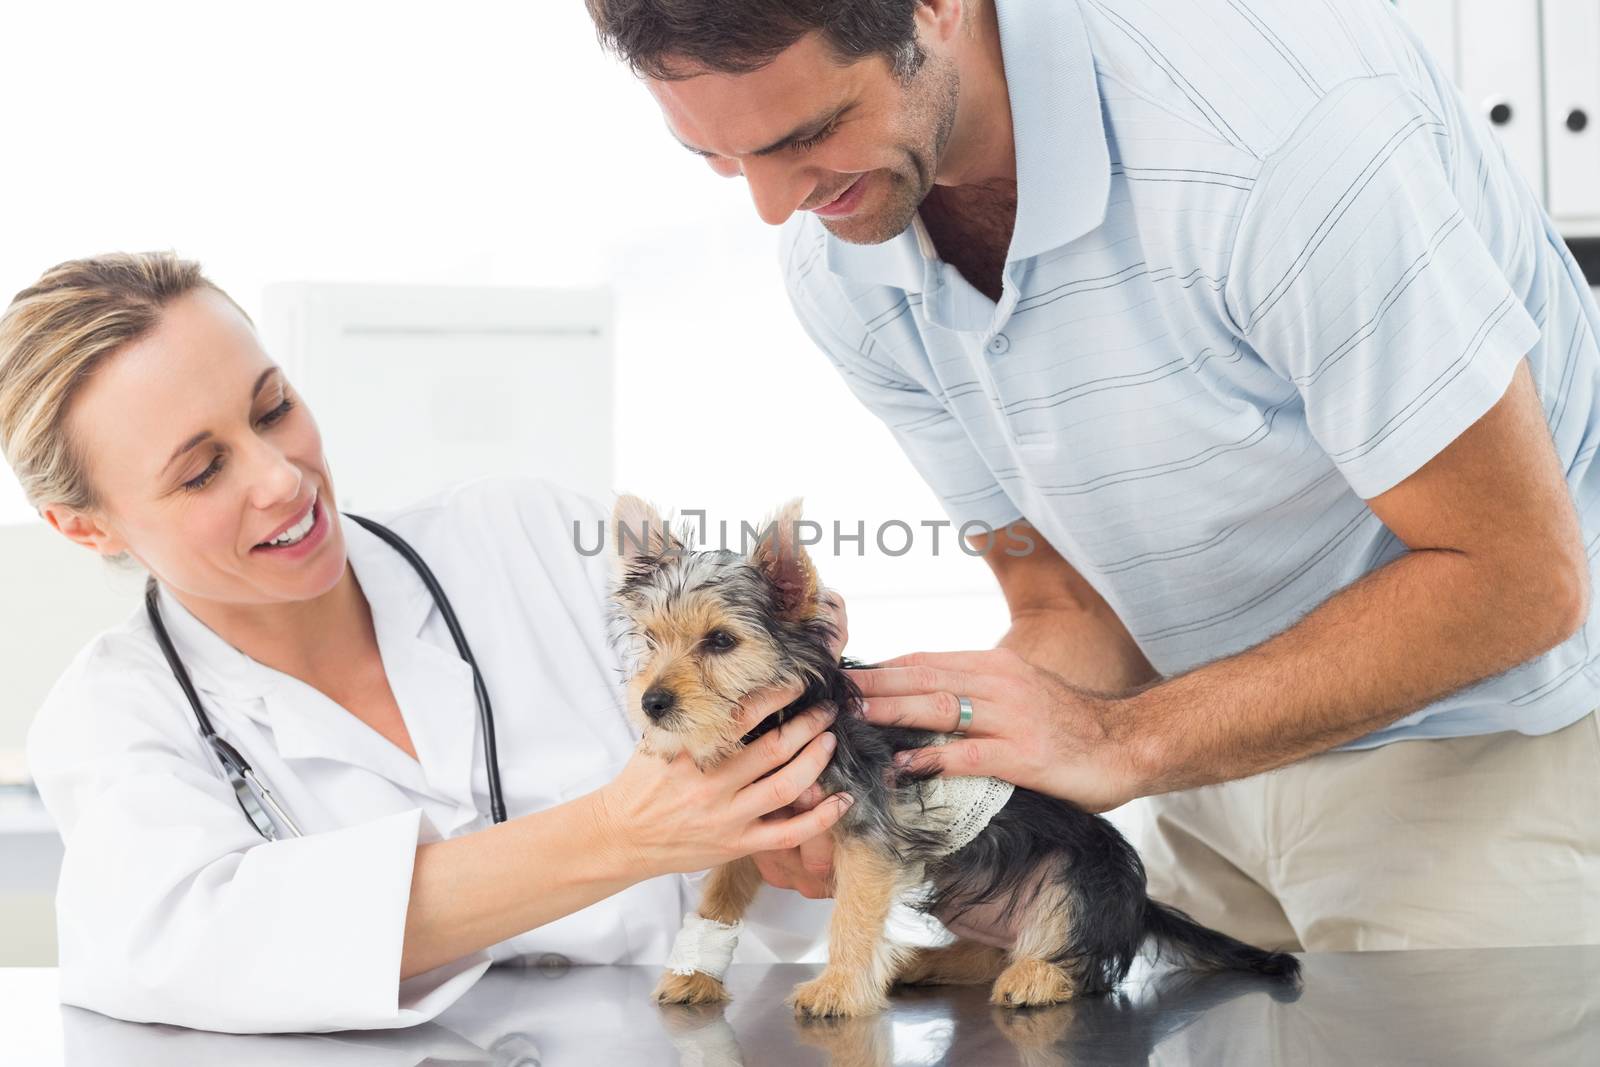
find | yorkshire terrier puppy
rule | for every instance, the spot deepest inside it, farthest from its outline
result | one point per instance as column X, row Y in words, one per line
column 699, row 630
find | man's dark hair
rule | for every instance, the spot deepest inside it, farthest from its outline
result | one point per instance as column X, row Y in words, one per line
column 675, row 39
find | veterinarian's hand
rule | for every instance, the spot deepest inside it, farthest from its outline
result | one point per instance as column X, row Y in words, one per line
column 670, row 816
column 1028, row 726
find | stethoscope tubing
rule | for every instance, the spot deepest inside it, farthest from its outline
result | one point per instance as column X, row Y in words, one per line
column 246, row 783
column 491, row 754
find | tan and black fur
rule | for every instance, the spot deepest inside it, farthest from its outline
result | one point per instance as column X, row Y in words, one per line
column 700, row 630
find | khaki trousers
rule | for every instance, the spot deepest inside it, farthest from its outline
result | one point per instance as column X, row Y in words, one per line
column 1450, row 843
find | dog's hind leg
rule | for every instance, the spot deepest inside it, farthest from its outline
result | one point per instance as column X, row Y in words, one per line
column 728, row 892
column 962, row 963
column 861, row 961
column 1032, row 979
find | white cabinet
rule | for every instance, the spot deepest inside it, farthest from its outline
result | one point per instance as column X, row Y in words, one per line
column 418, row 387
column 1532, row 69
column 1498, row 71
column 1572, row 113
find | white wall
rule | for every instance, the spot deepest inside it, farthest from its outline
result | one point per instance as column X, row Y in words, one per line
column 489, row 142
column 485, row 142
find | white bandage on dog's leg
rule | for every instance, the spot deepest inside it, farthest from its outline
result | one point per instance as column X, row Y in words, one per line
column 704, row 945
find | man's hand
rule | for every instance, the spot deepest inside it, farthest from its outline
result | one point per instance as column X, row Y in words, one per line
column 1028, row 726
column 1496, row 573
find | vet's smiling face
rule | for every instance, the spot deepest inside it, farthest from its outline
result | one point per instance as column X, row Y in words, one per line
column 199, row 450
column 855, row 142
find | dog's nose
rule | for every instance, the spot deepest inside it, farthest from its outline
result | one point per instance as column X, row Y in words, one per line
column 657, row 701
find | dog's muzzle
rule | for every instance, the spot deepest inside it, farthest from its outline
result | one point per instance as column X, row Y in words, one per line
column 658, row 702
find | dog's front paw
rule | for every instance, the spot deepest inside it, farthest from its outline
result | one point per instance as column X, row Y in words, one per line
column 692, row 988
column 1031, row 984
column 831, row 995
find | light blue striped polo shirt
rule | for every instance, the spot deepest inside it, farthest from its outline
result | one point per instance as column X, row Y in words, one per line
column 1267, row 264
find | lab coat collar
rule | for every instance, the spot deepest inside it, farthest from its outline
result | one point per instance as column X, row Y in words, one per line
column 432, row 685
column 400, row 605
column 430, row 681
column 1063, row 157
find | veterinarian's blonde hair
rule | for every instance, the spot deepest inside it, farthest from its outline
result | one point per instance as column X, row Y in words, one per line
column 53, row 337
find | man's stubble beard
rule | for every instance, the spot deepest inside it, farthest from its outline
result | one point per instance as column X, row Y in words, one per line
column 933, row 95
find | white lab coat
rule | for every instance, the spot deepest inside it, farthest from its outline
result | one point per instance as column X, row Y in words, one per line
column 171, row 908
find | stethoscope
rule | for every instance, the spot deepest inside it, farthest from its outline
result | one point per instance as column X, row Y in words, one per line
column 255, row 799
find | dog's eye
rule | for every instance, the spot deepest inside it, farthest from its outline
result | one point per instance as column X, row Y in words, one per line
column 720, row 641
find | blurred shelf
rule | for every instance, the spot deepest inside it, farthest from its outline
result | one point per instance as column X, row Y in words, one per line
column 28, row 842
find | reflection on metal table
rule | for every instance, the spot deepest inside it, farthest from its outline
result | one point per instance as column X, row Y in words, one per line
column 1493, row 1006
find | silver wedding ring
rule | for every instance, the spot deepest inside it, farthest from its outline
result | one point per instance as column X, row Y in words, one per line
column 966, row 715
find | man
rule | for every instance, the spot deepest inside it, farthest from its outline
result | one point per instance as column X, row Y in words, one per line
column 1238, row 311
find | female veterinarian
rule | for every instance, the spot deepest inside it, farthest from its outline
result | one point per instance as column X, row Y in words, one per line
column 329, row 771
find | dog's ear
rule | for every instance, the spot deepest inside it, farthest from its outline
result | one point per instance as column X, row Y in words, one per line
column 783, row 559
column 639, row 533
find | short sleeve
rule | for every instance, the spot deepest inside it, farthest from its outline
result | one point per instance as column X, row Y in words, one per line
column 1357, row 276
column 931, row 437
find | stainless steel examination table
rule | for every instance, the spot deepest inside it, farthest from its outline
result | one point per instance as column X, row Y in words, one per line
column 1495, row 1006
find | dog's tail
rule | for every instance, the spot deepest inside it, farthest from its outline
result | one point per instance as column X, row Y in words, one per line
column 1205, row 949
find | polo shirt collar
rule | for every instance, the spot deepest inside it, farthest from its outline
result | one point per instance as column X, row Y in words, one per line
column 1063, row 159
